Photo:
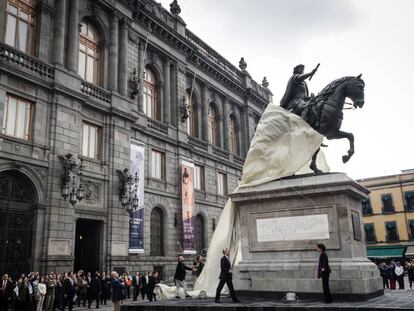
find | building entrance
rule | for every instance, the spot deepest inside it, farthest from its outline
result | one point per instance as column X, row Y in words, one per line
column 87, row 245
column 17, row 201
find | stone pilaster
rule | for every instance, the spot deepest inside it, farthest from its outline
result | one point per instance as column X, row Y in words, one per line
column 204, row 111
column 141, row 65
column 226, row 136
column 123, row 73
column 73, row 36
column 59, row 26
column 113, row 54
column 167, row 92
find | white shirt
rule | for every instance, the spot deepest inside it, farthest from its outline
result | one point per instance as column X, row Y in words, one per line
column 399, row 270
column 41, row 287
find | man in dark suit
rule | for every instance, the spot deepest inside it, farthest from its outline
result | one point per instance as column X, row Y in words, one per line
column 6, row 288
column 226, row 277
column 68, row 291
column 95, row 290
column 323, row 271
column 153, row 281
column 144, row 285
column 136, row 285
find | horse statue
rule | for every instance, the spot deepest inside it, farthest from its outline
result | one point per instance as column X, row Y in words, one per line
column 323, row 112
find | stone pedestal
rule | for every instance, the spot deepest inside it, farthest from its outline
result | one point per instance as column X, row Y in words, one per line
column 281, row 222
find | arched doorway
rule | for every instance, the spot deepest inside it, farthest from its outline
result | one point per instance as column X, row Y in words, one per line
column 157, row 232
column 17, row 199
column 200, row 233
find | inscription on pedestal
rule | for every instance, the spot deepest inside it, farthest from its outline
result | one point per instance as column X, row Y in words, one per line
column 294, row 228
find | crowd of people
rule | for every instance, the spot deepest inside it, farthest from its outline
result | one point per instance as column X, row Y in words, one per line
column 393, row 273
column 60, row 291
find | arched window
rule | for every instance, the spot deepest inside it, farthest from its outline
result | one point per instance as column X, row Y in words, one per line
column 192, row 121
column 157, row 232
column 212, row 125
column 150, row 95
column 233, row 130
column 88, row 53
column 200, row 233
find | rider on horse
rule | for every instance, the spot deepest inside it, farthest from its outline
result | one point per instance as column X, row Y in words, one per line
column 296, row 95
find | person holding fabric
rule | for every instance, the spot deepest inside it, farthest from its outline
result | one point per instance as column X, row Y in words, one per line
column 226, row 277
column 117, row 291
column 399, row 272
column 179, row 276
column 323, row 271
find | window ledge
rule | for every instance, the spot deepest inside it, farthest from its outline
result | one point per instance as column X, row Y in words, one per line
column 96, row 161
column 157, row 179
column 17, row 140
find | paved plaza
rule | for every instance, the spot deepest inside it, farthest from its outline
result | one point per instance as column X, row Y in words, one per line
column 392, row 300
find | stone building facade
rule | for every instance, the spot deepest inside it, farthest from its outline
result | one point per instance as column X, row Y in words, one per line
column 90, row 78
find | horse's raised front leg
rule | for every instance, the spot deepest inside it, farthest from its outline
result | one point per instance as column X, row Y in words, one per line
column 313, row 165
column 350, row 137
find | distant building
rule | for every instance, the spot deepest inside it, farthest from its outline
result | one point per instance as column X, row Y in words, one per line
column 97, row 79
column 389, row 216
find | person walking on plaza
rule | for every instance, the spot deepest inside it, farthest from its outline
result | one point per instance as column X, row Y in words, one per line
column 226, row 277
column 323, row 271
column 5, row 292
column 179, row 276
column 410, row 272
column 392, row 276
column 153, row 281
column 117, row 291
column 144, row 285
column 95, row 290
column 41, row 293
column 399, row 272
column 384, row 274
column 136, row 286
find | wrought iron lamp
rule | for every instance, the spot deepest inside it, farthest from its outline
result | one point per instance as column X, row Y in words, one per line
column 72, row 169
column 129, row 189
column 184, row 110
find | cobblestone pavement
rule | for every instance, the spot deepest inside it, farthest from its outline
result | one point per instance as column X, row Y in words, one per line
column 392, row 300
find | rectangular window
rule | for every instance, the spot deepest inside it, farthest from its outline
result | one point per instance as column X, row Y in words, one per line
column 409, row 201
column 370, row 236
column 411, row 229
column 387, row 204
column 91, row 141
column 198, row 177
column 366, row 207
column 19, row 31
column 157, row 164
column 221, row 183
column 17, row 119
column 391, row 231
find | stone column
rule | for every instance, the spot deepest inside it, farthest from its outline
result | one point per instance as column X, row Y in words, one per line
column 167, row 92
column 59, row 26
column 246, row 134
column 73, row 37
column 226, row 108
column 113, row 54
column 123, row 55
column 204, row 111
column 160, row 104
column 141, row 64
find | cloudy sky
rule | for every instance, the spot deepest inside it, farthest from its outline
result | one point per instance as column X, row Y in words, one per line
column 348, row 37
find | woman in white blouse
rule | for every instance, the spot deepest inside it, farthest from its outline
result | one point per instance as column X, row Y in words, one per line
column 399, row 271
column 41, row 292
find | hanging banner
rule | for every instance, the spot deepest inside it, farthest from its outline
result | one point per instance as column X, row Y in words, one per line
column 188, row 204
column 136, row 227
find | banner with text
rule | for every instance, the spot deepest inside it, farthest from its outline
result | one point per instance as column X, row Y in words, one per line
column 188, row 204
column 136, row 227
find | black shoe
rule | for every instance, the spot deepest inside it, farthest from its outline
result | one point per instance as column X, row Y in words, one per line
column 187, row 296
column 217, row 301
column 177, row 297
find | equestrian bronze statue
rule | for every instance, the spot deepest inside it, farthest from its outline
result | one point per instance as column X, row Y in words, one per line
column 323, row 112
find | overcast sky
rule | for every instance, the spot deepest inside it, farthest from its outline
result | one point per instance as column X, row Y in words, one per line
column 348, row 37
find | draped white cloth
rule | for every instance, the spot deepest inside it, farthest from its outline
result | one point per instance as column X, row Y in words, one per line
column 283, row 145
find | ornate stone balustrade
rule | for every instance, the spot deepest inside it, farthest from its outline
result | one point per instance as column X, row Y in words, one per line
column 197, row 142
column 96, row 91
column 206, row 50
column 158, row 126
column 24, row 61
